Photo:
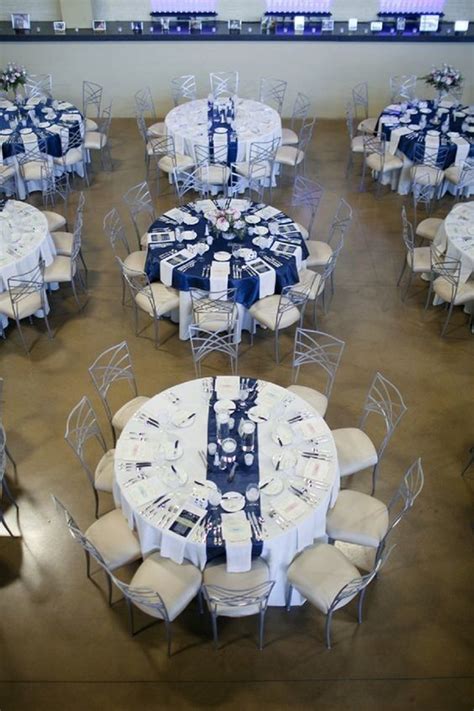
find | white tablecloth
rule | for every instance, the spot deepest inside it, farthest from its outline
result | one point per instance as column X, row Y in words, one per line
column 24, row 239
column 255, row 122
column 281, row 546
column 456, row 236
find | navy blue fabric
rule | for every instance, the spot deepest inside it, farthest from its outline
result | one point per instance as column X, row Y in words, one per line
column 408, row 142
column 52, row 144
column 248, row 287
column 243, row 475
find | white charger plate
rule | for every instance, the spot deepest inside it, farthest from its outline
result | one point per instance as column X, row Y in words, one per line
column 189, row 234
column 258, row 414
column 182, row 418
column 232, row 502
column 224, row 406
column 222, row 256
column 252, row 219
column 271, row 486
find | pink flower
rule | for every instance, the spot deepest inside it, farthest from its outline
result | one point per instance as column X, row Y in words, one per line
column 222, row 224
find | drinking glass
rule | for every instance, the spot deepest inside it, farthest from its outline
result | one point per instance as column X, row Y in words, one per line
column 248, row 436
column 214, row 498
column 252, row 493
column 222, row 420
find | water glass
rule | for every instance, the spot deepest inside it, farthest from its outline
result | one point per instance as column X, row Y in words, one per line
column 222, row 420
column 228, row 452
column 214, row 497
column 252, row 493
column 248, row 436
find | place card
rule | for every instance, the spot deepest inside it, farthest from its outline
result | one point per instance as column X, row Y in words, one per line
column 268, row 212
column 164, row 237
column 186, row 521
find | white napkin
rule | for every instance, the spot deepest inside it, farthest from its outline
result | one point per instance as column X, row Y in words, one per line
column 219, row 277
column 310, row 428
column 172, row 546
column 5, row 135
column 462, row 150
column 204, row 205
column 289, row 506
column 395, row 136
column 134, row 450
column 169, row 263
column 288, row 249
column 176, row 214
column 238, row 551
column 239, row 204
column 227, row 387
column 266, row 277
column 315, row 469
column 145, row 491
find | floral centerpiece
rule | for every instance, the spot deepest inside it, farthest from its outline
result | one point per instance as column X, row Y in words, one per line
column 444, row 79
column 227, row 221
column 12, row 77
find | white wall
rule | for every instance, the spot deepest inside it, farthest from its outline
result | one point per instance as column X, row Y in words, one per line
column 246, row 9
column 325, row 71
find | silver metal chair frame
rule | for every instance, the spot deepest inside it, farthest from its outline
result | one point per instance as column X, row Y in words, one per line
column 139, row 201
column 4, row 487
column 360, row 98
column 204, row 342
column 301, row 109
column 7, row 451
column 409, row 241
column 321, row 349
column 115, row 231
column 103, row 128
column 39, row 86
column 224, row 83
column 214, row 305
column 91, row 96
column 307, row 193
column 183, row 87
column 449, row 269
column 272, row 92
column 374, row 145
column 186, row 181
column 403, row 88
column 217, row 596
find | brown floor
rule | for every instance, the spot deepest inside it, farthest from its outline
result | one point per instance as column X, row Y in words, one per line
column 61, row 647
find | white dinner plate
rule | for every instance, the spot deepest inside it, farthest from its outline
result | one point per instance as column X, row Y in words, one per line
column 175, row 479
column 260, row 230
column 189, row 234
column 190, row 220
column 271, row 486
column 252, row 219
column 283, row 434
column 173, row 452
column 222, row 256
column 414, row 127
column 224, row 406
column 184, row 418
column 259, row 414
column 453, row 134
column 232, row 502
column 432, row 132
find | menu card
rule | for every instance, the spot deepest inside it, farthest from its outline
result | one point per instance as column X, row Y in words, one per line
column 186, row 521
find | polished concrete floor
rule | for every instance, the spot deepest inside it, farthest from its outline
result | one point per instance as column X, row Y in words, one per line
column 62, row 647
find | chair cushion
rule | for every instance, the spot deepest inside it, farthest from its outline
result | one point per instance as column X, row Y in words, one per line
column 55, row 220
column 357, row 518
column 104, row 473
column 420, row 259
column 166, row 164
column 453, row 174
column 289, row 155
column 135, row 261
column 303, row 230
column 122, row 416
column 357, row 144
column 216, row 321
column 166, row 299
column 355, row 450
column 215, row 573
column 214, row 174
column 91, row 125
column 94, row 140
column 319, row 253
column 6, row 171
column 32, row 170
column 374, row 161
column 428, row 229
column 177, row 584
column 367, row 125
column 265, row 311
column 288, row 137
column 59, row 270
column 73, row 156
column 63, row 242
column 426, row 175
column 26, row 307
column 312, row 397
column 114, row 540
column 258, row 170
column 310, row 283
column 319, row 573
column 443, row 289
column 157, row 129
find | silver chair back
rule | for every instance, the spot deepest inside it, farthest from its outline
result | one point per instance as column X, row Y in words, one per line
column 183, row 87
column 384, row 400
column 224, row 83
column 110, row 367
column 320, row 349
column 39, row 86
column 272, row 92
column 205, row 342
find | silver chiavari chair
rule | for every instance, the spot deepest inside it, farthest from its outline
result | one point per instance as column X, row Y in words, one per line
column 417, row 259
column 403, row 88
column 32, row 159
column 258, row 171
column 356, row 143
column 272, row 92
column 315, row 283
column 39, row 86
column 301, row 107
column 447, row 285
column 144, row 106
column 183, row 88
column 217, row 309
column 308, row 194
column 428, row 168
column 167, row 159
column 207, row 341
column 73, row 155
column 83, row 434
column 25, row 297
column 378, row 160
column 323, row 350
column 65, row 269
column 295, row 156
column 7, row 450
column 224, row 83
column 212, row 166
column 360, row 100
column 140, row 205
column 92, row 94
column 114, row 229
column 7, row 179
column 99, row 140
column 192, row 181
column 461, row 177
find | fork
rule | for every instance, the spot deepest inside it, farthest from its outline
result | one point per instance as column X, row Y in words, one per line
column 279, row 520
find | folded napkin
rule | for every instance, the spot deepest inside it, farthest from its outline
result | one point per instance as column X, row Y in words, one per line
column 310, row 428
column 395, row 136
column 227, row 387
column 266, row 276
column 203, row 206
column 134, row 450
column 238, row 545
column 145, row 491
column 289, row 506
column 290, row 250
column 219, row 278
column 177, row 214
column 266, row 213
column 315, row 469
column 239, row 204
column 462, row 149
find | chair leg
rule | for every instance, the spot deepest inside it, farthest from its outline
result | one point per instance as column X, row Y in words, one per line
column 88, row 564
column 277, row 348
column 13, row 463
column 261, row 628
column 96, row 497
column 109, row 586
column 288, row 597
column 168, row 636
column 214, row 629
column 2, row 520
column 20, row 331
column 374, row 478
column 402, row 272
column 9, row 494
column 407, row 286
column 361, row 605
column 448, row 318
column 328, row 630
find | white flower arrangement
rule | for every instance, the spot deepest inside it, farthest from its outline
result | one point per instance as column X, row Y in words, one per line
column 444, row 78
column 226, row 219
column 12, row 76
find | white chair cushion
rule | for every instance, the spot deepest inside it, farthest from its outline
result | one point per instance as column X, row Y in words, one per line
column 157, row 129
column 91, row 125
column 214, row 174
column 59, row 270
column 104, row 473
column 135, row 261
column 63, row 242
column 122, row 416
column 421, row 259
column 215, row 321
column 319, row 573
column 55, row 220
column 94, row 140
column 6, row 171
column 312, row 397
column 265, row 311
column 443, row 289
column 367, row 125
column 258, row 170
column 453, row 174
column 26, row 307
column 357, row 144
column 319, row 253
column 355, row 450
column 289, row 155
column 177, row 584
column 428, row 229
column 310, row 283
column 114, row 540
column 167, row 165
column 32, row 170
column 357, row 518
column 215, row 573
column 426, row 175
column 288, row 137
column 374, row 161
column 73, row 156
column 166, row 299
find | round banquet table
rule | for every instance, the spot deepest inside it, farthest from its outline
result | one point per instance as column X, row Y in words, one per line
column 164, row 477
column 24, row 239
column 44, row 123
column 263, row 266
column 400, row 124
column 254, row 122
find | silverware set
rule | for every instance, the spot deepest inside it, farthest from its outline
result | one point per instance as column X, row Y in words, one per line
column 148, row 420
column 236, row 271
column 153, row 507
column 305, row 495
column 202, row 530
column 206, row 271
column 216, row 531
column 257, row 525
column 279, row 520
column 274, row 262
